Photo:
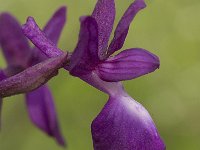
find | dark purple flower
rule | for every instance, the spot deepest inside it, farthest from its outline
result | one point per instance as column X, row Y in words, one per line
column 123, row 124
column 28, row 68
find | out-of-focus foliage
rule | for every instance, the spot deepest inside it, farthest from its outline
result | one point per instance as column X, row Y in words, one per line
column 170, row 29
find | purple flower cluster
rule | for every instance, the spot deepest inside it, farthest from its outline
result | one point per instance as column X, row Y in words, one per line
column 28, row 68
column 123, row 123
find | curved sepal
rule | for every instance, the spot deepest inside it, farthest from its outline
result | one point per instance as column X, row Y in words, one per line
column 123, row 26
column 42, row 112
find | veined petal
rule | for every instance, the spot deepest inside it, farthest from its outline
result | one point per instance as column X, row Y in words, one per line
column 85, row 56
column 32, row 77
column 53, row 31
column 128, row 64
column 33, row 32
column 123, row 25
column 104, row 14
column 43, row 113
column 13, row 42
column 124, row 124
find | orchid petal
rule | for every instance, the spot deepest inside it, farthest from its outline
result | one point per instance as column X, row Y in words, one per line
column 53, row 31
column 13, row 42
column 128, row 64
column 124, row 124
column 42, row 112
column 123, row 25
column 33, row 77
column 33, row 32
column 104, row 14
column 85, row 56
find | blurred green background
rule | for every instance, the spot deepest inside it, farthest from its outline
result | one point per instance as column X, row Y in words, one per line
column 170, row 29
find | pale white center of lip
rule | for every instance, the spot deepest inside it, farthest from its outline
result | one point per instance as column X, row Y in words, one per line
column 137, row 111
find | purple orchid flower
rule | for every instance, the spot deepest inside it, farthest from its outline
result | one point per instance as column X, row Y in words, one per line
column 123, row 124
column 28, row 68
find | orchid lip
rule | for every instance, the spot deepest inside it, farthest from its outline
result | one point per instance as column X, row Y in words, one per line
column 125, row 124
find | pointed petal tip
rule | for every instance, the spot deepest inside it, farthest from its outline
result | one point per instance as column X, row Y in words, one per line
column 156, row 61
column 140, row 3
column 61, row 141
column 5, row 14
column 30, row 22
column 29, row 25
column 62, row 11
column 42, row 112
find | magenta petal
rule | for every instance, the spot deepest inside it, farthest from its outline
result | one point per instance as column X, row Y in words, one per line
column 33, row 77
column 104, row 14
column 13, row 42
column 85, row 56
column 53, row 31
column 43, row 113
column 33, row 32
column 128, row 64
column 123, row 25
column 124, row 124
